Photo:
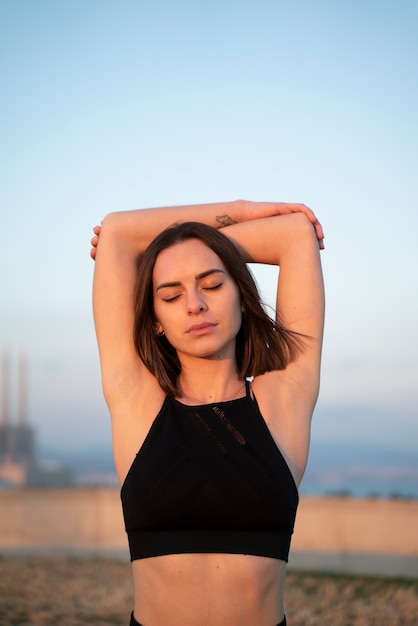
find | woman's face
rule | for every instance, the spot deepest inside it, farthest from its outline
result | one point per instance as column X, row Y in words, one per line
column 196, row 302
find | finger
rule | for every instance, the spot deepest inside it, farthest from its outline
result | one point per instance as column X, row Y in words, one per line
column 310, row 215
column 97, row 230
column 94, row 241
column 319, row 231
column 93, row 253
column 302, row 208
column 320, row 235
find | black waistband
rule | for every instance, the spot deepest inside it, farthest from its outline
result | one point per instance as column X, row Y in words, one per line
column 273, row 544
column 133, row 621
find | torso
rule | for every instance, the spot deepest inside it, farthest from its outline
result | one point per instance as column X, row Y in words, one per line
column 218, row 589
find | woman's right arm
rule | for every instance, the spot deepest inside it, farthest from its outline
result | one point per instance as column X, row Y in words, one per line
column 113, row 283
column 117, row 244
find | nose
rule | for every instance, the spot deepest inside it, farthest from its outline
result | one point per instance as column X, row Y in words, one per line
column 195, row 303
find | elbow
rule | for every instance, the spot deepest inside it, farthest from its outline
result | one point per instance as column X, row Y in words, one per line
column 114, row 230
column 302, row 225
column 111, row 222
column 112, row 244
column 302, row 233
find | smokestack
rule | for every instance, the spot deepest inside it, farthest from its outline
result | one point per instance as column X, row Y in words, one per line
column 5, row 384
column 22, row 389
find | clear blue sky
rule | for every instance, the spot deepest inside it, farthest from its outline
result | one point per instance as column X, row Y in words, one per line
column 111, row 105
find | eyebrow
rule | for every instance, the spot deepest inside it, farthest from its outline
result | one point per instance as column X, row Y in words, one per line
column 177, row 283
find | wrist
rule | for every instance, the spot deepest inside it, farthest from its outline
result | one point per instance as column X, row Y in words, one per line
column 230, row 213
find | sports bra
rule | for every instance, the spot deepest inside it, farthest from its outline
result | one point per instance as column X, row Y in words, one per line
column 209, row 478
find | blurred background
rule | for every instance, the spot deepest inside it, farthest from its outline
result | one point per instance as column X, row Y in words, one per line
column 121, row 105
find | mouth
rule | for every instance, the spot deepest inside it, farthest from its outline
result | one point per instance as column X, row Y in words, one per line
column 200, row 329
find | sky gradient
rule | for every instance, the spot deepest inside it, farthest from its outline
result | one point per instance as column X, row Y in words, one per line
column 121, row 105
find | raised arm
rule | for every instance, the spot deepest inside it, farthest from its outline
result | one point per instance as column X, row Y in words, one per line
column 292, row 242
column 117, row 244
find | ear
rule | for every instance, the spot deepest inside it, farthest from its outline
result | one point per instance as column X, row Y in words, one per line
column 159, row 329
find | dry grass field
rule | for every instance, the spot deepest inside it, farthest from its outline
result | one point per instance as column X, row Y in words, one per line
column 62, row 591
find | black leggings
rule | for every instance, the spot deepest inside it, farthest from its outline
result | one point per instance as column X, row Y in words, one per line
column 133, row 621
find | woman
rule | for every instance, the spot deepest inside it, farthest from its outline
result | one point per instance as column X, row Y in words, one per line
column 210, row 400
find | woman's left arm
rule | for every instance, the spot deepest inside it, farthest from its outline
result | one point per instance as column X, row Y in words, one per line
column 292, row 241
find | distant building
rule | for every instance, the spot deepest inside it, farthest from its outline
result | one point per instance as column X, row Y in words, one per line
column 18, row 464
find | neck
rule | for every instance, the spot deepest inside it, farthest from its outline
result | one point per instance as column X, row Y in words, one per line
column 210, row 381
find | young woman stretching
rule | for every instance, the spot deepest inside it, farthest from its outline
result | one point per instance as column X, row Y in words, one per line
column 210, row 400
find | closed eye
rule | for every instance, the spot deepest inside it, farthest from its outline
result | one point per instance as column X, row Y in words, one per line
column 170, row 299
column 173, row 298
column 213, row 287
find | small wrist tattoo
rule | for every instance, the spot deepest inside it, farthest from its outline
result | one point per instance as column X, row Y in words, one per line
column 225, row 220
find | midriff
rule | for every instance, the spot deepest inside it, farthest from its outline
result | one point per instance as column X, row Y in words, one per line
column 210, row 589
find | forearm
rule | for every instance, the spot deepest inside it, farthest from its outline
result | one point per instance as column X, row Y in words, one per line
column 272, row 240
column 136, row 229
column 133, row 231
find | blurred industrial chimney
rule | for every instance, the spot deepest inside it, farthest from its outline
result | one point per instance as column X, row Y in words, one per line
column 16, row 437
column 22, row 390
column 5, row 388
column 18, row 464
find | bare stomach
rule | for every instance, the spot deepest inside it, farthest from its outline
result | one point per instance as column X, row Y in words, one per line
column 209, row 589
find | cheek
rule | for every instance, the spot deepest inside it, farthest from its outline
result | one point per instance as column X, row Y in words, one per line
column 166, row 320
column 157, row 316
column 160, row 322
column 237, row 308
column 160, row 312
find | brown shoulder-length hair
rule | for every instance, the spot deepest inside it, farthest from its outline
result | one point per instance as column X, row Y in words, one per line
column 262, row 344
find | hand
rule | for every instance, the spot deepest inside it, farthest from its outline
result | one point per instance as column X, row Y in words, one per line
column 95, row 241
column 258, row 210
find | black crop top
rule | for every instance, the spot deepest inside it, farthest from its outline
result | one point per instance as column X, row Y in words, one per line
column 209, row 478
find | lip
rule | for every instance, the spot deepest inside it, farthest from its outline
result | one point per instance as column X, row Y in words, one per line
column 200, row 329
